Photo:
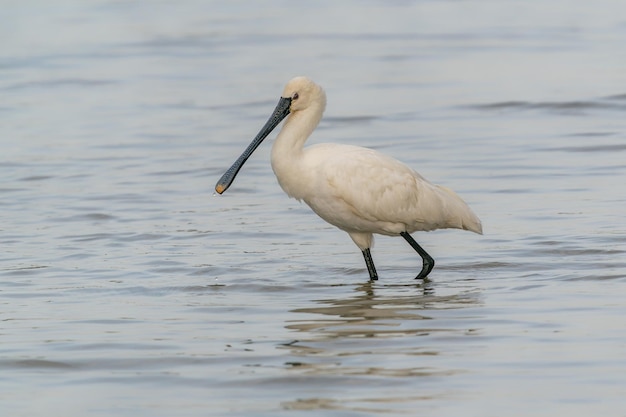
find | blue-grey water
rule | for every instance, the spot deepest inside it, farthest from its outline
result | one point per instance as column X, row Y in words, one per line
column 127, row 288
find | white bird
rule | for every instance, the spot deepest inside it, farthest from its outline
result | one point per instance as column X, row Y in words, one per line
column 359, row 190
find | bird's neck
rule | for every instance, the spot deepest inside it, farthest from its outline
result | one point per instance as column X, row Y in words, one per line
column 288, row 147
column 297, row 128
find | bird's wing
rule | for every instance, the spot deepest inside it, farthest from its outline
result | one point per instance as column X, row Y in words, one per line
column 366, row 184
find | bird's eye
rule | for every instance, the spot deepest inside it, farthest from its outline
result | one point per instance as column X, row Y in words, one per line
column 295, row 96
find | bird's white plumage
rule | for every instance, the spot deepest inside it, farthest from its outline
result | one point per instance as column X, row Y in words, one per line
column 359, row 190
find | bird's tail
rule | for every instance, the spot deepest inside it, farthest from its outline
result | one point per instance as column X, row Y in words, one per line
column 460, row 216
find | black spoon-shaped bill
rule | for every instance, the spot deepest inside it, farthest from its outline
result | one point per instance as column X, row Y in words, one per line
column 280, row 112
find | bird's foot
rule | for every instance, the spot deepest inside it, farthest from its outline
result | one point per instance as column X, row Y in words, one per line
column 429, row 264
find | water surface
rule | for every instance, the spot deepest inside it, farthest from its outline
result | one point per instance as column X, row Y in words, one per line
column 128, row 288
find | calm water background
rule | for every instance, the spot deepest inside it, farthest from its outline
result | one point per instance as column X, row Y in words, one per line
column 128, row 289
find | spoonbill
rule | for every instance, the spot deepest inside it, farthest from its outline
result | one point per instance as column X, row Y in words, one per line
column 359, row 190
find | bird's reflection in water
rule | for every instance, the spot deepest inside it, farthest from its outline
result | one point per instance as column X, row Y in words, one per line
column 379, row 311
column 383, row 336
column 389, row 316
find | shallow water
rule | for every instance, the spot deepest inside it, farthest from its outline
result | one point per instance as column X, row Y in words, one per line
column 128, row 288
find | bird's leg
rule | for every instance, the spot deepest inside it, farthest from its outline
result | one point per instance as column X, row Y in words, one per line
column 428, row 261
column 369, row 262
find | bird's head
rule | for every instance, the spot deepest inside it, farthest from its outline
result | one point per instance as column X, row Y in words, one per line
column 304, row 93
